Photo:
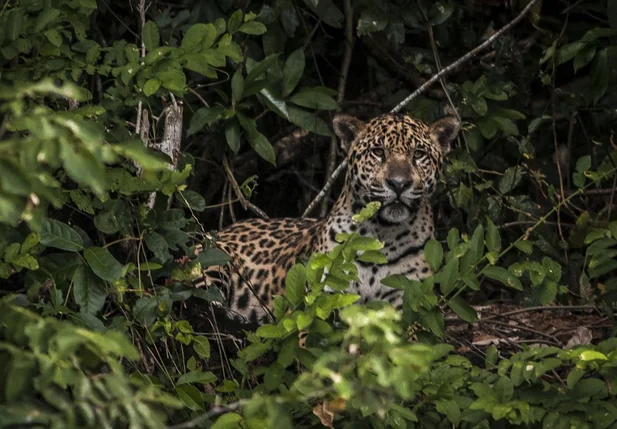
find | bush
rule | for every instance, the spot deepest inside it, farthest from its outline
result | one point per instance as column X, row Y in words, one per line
column 102, row 205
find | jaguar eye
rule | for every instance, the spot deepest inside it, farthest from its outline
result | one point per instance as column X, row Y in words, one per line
column 418, row 154
column 379, row 152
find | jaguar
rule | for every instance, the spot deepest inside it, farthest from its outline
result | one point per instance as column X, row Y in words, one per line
column 393, row 159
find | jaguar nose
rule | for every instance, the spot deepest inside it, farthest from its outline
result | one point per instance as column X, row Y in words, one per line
column 398, row 184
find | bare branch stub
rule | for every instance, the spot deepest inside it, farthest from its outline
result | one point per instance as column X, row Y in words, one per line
column 172, row 138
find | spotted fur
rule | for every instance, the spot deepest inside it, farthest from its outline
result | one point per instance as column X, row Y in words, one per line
column 393, row 159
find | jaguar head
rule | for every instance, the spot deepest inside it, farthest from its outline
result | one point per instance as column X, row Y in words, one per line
column 394, row 159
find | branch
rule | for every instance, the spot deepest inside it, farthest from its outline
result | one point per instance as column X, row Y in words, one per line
column 469, row 55
column 243, row 201
column 326, row 187
column 172, row 138
column 214, row 412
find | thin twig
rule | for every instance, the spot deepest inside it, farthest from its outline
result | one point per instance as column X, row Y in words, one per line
column 326, row 188
column 541, row 308
column 342, row 84
column 243, row 201
column 532, row 222
column 213, row 413
column 555, row 143
column 469, row 55
column 521, row 328
column 196, row 94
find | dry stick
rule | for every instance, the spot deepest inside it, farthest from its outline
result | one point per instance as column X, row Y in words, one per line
column 243, row 201
column 326, row 187
column 172, row 139
column 342, row 83
column 425, row 86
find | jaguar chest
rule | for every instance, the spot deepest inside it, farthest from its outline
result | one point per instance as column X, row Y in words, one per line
column 403, row 249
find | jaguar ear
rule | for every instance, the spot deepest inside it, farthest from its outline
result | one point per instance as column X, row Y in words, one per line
column 347, row 128
column 444, row 130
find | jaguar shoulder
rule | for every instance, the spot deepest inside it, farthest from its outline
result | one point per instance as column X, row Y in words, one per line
column 394, row 159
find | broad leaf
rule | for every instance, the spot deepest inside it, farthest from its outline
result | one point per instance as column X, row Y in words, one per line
column 292, row 71
column 61, row 236
column 150, row 36
column 103, row 263
column 88, row 290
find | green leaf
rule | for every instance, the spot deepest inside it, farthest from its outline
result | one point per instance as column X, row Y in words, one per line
column 46, row 17
column 193, row 200
column 504, row 389
column 234, row 21
column 600, row 75
column 314, row 99
column 506, row 125
column 103, row 263
column 199, row 64
column 568, row 51
column 84, row 168
column 201, row 345
column 258, row 141
column 295, row 281
column 190, row 397
column 463, row 310
column 237, row 86
column 254, row 28
column 510, row 180
column 31, row 240
column 14, row 23
column 584, row 57
column 448, row 276
column 292, row 71
column 199, row 36
column 156, row 243
column 174, row 80
column 503, row 276
column 61, row 236
column 433, row 253
column 256, row 71
column 309, row 121
column 151, row 86
column 304, row 320
column 373, row 257
column 202, row 117
column 88, row 290
column 270, row 331
column 450, row 409
column 479, row 105
column 589, row 355
column 233, row 135
column 327, row 11
column 198, row 377
column 212, row 257
column 228, row 421
column 493, row 239
column 275, row 103
column 524, row 246
column 150, row 36
column 588, row 387
column 26, row 261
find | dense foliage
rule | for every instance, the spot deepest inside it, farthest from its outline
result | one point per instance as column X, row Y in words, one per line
column 99, row 324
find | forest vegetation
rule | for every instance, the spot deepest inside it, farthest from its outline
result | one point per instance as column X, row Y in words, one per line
column 133, row 130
